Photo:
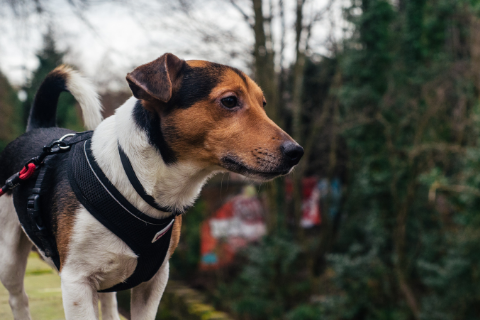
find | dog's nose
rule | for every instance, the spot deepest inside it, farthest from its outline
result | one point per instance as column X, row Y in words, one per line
column 292, row 152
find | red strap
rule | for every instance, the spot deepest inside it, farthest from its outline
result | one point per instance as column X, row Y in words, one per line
column 27, row 171
column 24, row 174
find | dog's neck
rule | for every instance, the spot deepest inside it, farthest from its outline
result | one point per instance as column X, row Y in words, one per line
column 176, row 185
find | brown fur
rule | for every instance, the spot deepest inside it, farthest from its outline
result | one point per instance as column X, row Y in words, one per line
column 177, row 228
column 207, row 132
column 65, row 205
column 155, row 79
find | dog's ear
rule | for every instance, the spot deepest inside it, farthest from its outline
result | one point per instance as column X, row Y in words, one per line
column 156, row 80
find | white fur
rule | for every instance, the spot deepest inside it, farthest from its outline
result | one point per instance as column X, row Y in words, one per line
column 97, row 260
column 14, row 250
column 146, row 297
column 84, row 92
column 96, row 255
column 176, row 185
column 109, row 305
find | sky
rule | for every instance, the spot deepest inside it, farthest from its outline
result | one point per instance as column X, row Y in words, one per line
column 108, row 39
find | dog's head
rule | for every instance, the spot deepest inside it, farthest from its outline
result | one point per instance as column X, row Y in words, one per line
column 211, row 114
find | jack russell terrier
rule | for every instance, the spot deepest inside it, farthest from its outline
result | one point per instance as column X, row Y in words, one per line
column 104, row 207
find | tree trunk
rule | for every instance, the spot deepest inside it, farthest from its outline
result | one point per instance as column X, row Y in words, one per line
column 266, row 78
column 264, row 61
column 298, row 81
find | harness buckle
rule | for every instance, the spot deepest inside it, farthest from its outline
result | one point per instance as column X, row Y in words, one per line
column 33, row 209
column 58, row 146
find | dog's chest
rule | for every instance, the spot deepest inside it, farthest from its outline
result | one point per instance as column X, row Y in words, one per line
column 97, row 254
column 149, row 238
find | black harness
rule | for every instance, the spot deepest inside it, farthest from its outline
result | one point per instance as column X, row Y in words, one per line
column 149, row 238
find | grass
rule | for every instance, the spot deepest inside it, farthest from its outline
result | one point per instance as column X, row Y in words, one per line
column 43, row 289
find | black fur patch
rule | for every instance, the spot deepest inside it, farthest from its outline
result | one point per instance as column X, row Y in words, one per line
column 44, row 108
column 150, row 122
column 197, row 83
column 240, row 74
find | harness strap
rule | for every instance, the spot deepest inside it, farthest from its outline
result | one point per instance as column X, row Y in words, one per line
column 149, row 238
column 132, row 177
column 40, row 230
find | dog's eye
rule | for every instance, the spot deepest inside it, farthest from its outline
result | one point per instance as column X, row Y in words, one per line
column 264, row 103
column 229, row 102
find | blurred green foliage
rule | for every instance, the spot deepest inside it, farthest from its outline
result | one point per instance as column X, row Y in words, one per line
column 269, row 283
column 407, row 249
column 408, row 244
column 10, row 118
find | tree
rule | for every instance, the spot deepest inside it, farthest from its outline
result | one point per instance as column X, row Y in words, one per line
column 403, row 252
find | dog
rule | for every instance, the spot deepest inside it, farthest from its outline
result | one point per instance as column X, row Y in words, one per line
column 186, row 121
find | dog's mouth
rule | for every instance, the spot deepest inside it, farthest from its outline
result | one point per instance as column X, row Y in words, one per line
column 232, row 164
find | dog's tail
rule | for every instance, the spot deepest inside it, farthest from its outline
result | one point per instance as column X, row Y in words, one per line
column 63, row 78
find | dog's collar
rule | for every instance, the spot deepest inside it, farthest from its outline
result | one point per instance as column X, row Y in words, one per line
column 132, row 177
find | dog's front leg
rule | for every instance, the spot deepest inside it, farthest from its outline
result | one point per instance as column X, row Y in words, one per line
column 80, row 298
column 108, row 303
column 146, row 296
